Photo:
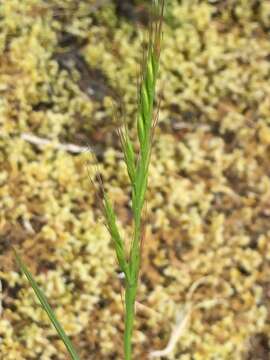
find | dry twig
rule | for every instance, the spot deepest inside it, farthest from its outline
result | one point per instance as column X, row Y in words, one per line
column 183, row 317
column 42, row 142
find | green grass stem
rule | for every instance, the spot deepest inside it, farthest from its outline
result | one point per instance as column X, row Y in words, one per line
column 138, row 169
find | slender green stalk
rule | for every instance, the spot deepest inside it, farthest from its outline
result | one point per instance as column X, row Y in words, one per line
column 137, row 167
column 138, row 175
column 130, row 297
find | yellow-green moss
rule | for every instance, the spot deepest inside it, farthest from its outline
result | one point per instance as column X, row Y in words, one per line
column 209, row 183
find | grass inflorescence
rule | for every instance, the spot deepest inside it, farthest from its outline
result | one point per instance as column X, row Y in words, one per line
column 137, row 168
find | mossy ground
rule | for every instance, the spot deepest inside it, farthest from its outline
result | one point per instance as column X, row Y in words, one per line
column 62, row 65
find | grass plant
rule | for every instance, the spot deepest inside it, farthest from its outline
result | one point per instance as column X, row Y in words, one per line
column 138, row 168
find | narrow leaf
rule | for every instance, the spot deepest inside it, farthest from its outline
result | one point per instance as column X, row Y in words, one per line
column 47, row 308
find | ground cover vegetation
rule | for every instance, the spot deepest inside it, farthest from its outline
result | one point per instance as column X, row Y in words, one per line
column 206, row 249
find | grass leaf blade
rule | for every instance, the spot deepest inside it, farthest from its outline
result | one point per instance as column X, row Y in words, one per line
column 47, row 308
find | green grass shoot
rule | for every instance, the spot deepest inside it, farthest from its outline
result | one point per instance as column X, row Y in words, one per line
column 138, row 168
